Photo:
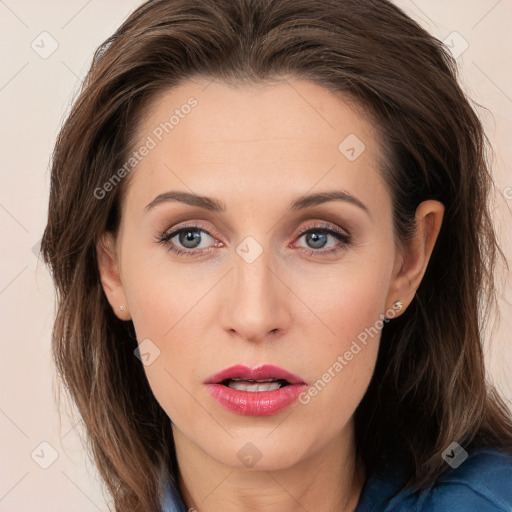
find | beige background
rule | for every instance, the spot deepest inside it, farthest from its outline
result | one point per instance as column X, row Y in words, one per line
column 35, row 95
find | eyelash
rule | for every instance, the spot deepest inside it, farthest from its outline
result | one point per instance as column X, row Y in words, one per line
column 341, row 236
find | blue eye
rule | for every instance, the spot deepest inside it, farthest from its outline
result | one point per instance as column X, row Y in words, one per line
column 189, row 237
column 318, row 236
column 187, row 240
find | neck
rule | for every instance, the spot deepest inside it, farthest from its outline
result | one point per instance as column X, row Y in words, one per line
column 331, row 476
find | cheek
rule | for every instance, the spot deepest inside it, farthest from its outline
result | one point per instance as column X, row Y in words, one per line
column 166, row 309
column 160, row 293
column 343, row 347
column 346, row 300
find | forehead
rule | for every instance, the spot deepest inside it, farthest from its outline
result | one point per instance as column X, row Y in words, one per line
column 268, row 113
column 287, row 135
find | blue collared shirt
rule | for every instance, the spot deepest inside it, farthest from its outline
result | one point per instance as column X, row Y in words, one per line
column 482, row 483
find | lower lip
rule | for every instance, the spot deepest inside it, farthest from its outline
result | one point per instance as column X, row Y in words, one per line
column 256, row 403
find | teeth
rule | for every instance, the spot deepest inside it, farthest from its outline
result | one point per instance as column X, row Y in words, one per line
column 254, row 386
column 255, row 380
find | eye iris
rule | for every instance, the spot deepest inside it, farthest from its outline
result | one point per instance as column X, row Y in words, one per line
column 318, row 239
column 190, row 236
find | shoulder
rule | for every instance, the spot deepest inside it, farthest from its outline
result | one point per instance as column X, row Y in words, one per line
column 482, row 483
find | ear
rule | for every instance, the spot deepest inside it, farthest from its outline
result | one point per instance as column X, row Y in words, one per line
column 108, row 266
column 411, row 263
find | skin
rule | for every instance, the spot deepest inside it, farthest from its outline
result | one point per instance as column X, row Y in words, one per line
column 257, row 149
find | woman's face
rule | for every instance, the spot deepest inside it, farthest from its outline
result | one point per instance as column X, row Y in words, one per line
column 251, row 288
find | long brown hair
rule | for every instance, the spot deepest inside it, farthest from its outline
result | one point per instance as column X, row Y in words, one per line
column 429, row 386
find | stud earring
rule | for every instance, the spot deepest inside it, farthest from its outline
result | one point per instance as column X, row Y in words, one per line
column 121, row 308
column 398, row 305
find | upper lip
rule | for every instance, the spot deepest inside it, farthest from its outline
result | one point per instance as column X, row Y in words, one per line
column 263, row 372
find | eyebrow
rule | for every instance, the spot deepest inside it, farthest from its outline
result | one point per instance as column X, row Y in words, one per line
column 215, row 205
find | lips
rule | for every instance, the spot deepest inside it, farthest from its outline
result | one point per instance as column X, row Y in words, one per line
column 243, row 373
column 259, row 391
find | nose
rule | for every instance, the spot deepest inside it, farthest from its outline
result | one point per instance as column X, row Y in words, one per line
column 257, row 304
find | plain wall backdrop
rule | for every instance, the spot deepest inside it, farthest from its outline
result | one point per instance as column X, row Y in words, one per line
column 46, row 49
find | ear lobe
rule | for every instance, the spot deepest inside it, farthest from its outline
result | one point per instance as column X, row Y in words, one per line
column 108, row 267
column 415, row 257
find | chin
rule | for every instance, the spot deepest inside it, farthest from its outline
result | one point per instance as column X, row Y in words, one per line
column 260, row 453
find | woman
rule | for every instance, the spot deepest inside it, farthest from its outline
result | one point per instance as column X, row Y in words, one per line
column 270, row 233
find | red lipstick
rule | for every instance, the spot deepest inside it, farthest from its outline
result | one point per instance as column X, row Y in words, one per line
column 259, row 391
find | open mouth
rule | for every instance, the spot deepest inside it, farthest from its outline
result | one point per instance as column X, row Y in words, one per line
column 255, row 391
column 253, row 385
